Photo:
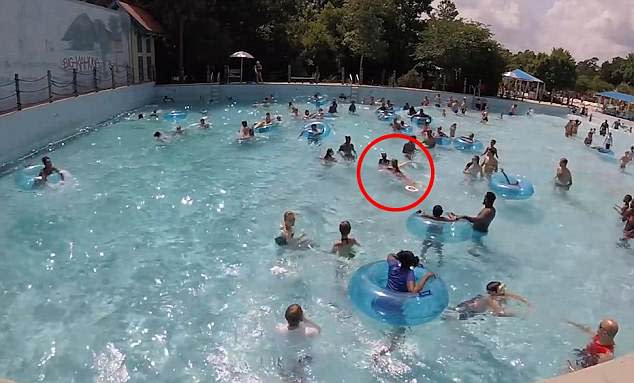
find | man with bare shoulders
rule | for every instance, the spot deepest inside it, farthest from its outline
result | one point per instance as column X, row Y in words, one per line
column 484, row 218
column 563, row 178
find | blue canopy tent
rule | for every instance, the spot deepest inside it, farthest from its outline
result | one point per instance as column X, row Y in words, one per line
column 617, row 104
column 517, row 83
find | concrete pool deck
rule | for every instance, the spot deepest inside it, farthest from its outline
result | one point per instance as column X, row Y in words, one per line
column 620, row 370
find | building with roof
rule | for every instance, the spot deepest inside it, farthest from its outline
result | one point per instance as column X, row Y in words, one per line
column 145, row 29
column 617, row 104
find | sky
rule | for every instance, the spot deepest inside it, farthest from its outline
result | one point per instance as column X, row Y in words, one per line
column 586, row 28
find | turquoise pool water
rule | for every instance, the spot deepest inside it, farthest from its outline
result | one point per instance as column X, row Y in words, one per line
column 157, row 262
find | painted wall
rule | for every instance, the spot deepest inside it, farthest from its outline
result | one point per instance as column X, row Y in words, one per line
column 33, row 128
column 286, row 92
column 60, row 35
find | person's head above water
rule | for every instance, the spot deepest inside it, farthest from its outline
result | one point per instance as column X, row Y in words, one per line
column 306, row 112
column 46, row 160
column 475, row 159
column 608, row 328
column 493, row 142
column 268, row 114
column 289, row 218
column 348, row 139
column 496, row 288
column 489, row 199
column 384, row 156
column 157, row 134
column 330, row 152
column 313, row 127
column 437, row 211
column 627, row 198
column 563, row 162
column 471, row 135
column 394, row 164
column 345, row 228
column 294, row 314
column 244, row 123
column 140, row 116
column 407, row 259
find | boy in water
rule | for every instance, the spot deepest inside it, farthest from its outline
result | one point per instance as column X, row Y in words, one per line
column 47, row 171
column 494, row 302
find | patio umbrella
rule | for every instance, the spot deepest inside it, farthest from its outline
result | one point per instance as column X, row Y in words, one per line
column 241, row 55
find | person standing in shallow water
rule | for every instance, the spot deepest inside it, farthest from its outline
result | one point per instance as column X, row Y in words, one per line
column 600, row 348
column 344, row 247
column 484, row 218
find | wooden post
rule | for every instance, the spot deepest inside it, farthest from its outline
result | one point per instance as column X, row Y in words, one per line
column 50, row 86
column 75, row 82
column 94, row 79
column 17, row 92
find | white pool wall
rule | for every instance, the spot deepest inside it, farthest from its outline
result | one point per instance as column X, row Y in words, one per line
column 35, row 127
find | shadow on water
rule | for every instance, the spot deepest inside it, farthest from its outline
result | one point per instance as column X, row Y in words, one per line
column 528, row 212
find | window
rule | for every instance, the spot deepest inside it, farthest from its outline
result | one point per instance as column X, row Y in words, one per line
column 141, row 72
column 148, row 45
column 150, row 69
column 139, row 43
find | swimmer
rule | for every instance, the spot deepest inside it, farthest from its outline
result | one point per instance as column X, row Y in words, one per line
column 383, row 161
column 463, row 106
column 469, row 139
column 352, row 108
column 313, row 133
column 485, row 117
column 437, row 215
column 444, row 113
column 394, row 169
column 409, row 149
column 425, row 101
column 625, row 160
column 140, row 116
column 179, row 131
column 47, row 171
column 344, row 247
column 601, row 347
column 329, row 158
column 483, row 220
column 400, row 276
column 295, row 112
column 290, row 105
column 287, row 233
column 395, row 125
column 296, row 335
column 429, row 140
column 473, row 168
column 491, row 148
column 493, row 302
column 244, row 130
column 160, row 137
column 297, row 323
column 588, row 140
column 489, row 164
column 440, row 133
column 346, row 150
column 333, row 107
column 628, row 230
column 437, row 101
column 154, row 114
column 452, row 130
column 563, row 178
column 608, row 141
column 626, row 208
column 167, row 99
column 318, row 115
column 406, row 106
column 513, row 110
column 202, row 124
column 306, row 115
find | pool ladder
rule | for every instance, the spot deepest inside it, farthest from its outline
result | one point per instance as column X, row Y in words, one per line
column 214, row 93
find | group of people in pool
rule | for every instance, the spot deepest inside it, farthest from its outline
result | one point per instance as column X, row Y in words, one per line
column 608, row 140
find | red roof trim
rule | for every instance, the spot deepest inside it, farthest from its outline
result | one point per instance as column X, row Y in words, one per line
column 142, row 17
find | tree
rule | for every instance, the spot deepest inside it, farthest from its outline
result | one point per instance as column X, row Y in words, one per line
column 446, row 10
column 462, row 50
column 557, row 70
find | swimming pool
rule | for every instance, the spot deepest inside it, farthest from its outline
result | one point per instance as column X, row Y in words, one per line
column 159, row 263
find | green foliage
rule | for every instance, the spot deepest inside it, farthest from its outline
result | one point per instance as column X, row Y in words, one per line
column 462, row 49
column 557, row 70
column 410, row 79
column 446, row 10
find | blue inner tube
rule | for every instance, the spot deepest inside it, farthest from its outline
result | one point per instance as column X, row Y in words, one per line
column 443, row 141
column 384, row 111
column 425, row 120
column 461, row 144
column 523, row 190
column 175, row 115
column 369, row 295
column 319, row 101
column 325, row 131
column 267, row 127
column 26, row 178
column 446, row 232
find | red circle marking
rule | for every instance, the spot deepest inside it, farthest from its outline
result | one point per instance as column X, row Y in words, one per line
column 431, row 168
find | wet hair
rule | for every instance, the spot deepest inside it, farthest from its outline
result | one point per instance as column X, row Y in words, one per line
column 157, row 134
column 306, row 111
column 437, row 211
column 244, row 123
column 493, row 142
column 287, row 215
column 345, row 228
column 407, row 259
column 140, row 116
column 394, row 163
column 268, row 114
column 294, row 314
column 627, row 197
column 313, row 126
column 329, row 152
column 384, row 155
column 348, row 138
column 564, row 160
column 46, row 159
column 477, row 158
column 489, row 198
column 493, row 286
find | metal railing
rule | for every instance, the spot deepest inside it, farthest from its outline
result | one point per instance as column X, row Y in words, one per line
column 22, row 92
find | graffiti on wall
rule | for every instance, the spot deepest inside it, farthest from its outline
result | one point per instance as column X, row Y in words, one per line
column 85, row 34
